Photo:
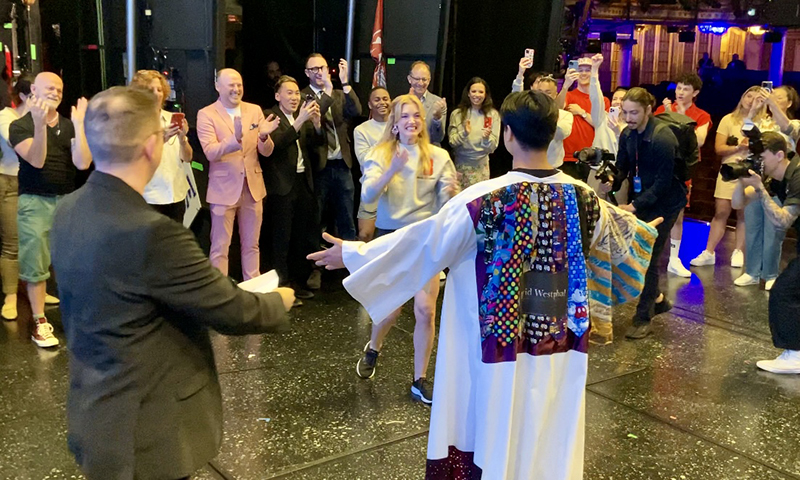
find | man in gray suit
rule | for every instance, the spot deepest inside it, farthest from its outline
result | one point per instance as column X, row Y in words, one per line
column 419, row 77
column 138, row 298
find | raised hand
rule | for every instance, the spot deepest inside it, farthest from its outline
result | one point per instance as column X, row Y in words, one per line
column 307, row 111
column 570, row 78
column 487, row 132
column 524, row 64
column 39, row 111
column 438, row 109
column 597, row 60
column 343, row 70
column 666, row 102
column 400, row 159
column 170, row 132
column 237, row 128
column 184, row 130
column 79, row 111
column 267, row 126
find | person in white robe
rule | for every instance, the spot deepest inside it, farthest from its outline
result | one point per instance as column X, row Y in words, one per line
column 531, row 255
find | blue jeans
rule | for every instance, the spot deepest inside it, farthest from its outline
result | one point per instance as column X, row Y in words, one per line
column 334, row 186
column 763, row 242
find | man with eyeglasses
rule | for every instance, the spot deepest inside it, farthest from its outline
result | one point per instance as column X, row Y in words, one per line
column 333, row 179
column 419, row 77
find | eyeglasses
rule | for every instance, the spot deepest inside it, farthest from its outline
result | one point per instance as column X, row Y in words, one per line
column 323, row 68
column 419, row 79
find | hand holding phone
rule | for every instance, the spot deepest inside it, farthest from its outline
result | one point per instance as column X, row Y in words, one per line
column 767, row 85
column 487, row 122
column 613, row 112
column 529, row 53
column 177, row 120
column 573, row 64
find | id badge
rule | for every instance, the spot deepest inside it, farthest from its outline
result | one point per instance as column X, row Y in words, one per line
column 637, row 184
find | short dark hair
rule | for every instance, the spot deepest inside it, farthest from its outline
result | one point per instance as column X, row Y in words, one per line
column 23, row 84
column 313, row 55
column 619, row 89
column 532, row 117
column 640, row 96
column 284, row 79
column 375, row 89
column 691, row 78
column 774, row 142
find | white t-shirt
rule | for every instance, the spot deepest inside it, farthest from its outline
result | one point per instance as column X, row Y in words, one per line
column 234, row 112
column 365, row 136
column 9, row 165
column 169, row 184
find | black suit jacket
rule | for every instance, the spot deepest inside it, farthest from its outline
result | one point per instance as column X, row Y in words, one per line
column 343, row 109
column 138, row 297
column 280, row 168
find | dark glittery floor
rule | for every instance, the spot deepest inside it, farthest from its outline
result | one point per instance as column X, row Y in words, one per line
column 685, row 403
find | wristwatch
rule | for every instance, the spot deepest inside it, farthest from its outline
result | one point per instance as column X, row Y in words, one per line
column 583, row 115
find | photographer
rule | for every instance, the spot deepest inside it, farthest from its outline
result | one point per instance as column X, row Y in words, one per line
column 784, row 301
column 646, row 157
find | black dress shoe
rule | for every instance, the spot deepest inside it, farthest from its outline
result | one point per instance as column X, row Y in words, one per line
column 663, row 307
column 636, row 332
column 303, row 294
column 297, row 303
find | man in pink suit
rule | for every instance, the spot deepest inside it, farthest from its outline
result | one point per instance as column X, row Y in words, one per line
column 233, row 133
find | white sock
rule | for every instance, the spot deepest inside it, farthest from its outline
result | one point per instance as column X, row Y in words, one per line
column 674, row 248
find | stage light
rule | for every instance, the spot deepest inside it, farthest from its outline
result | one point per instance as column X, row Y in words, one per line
column 756, row 30
column 751, row 12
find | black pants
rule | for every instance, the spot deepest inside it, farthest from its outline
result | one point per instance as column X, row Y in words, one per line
column 651, row 290
column 576, row 170
column 784, row 305
column 174, row 211
column 295, row 231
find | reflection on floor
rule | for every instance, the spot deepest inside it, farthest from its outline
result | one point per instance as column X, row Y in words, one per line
column 685, row 403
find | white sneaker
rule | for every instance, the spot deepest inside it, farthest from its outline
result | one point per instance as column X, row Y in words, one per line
column 704, row 259
column 768, row 285
column 746, row 280
column 737, row 259
column 787, row 363
column 43, row 334
column 675, row 267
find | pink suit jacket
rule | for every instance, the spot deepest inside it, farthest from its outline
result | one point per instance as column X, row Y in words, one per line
column 229, row 162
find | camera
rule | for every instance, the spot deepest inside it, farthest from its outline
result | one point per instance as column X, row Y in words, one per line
column 599, row 159
column 735, row 171
column 603, row 162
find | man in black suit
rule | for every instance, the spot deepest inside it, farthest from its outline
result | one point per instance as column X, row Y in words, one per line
column 333, row 179
column 138, row 297
column 288, row 175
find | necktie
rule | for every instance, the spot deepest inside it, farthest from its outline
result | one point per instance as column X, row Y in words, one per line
column 330, row 129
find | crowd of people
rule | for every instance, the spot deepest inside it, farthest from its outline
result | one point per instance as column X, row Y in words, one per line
column 541, row 244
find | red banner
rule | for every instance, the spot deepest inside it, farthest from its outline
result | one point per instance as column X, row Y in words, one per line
column 376, row 48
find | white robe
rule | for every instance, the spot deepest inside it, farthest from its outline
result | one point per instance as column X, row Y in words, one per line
column 520, row 418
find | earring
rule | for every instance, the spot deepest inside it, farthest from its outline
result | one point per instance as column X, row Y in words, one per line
column 395, row 131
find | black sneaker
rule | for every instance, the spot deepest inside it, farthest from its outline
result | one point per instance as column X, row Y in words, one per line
column 297, row 303
column 303, row 294
column 422, row 391
column 365, row 368
column 663, row 307
column 636, row 332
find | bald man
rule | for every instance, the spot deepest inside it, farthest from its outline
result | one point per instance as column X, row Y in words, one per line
column 51, row 148
column 233, row 133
